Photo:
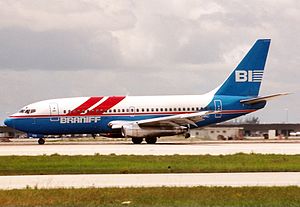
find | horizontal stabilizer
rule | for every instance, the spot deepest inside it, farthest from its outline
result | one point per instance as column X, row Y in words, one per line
column 263, row 98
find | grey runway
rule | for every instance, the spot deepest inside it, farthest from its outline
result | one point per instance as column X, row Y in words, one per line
column 144, row 149
column 151, row 180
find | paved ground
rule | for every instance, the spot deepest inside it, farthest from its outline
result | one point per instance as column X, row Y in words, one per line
column 214, row 148
column 151, row 180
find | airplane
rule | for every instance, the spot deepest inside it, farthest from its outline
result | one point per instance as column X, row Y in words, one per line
column 150, row 117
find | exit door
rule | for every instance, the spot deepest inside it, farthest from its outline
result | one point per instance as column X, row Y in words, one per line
column 54, row 112
column 218, row 107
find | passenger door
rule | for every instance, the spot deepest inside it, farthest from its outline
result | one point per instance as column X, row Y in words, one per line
column 54, row 112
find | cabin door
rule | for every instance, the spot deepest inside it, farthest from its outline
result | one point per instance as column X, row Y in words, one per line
column 54, row 112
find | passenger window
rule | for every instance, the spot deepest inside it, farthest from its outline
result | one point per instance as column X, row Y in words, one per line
column 127, row 110
column 161, row 109
column 123, row 110
column 183, row 109
column 32, row 111
column 27, row 111
column 137, row 110
column 170, row 109
column 119, row 110
column 65, row 111
column 188, row 109
column 143, row 110
column 157, row 109
column 179, row 109
column 115, row 110
column 193, row 109
column 152, row 109
column 147, row 110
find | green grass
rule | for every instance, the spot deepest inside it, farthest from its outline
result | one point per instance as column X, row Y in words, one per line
column 99, row 164
column 164, row 196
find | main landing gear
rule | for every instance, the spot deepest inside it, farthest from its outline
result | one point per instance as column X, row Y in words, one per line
column 41, row 141
column 139, row 140
column 151, row 140
column 187, row 135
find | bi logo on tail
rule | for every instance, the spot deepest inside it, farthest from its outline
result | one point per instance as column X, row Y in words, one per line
column 248, row 75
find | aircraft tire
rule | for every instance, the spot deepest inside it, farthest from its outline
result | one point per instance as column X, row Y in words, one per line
column 41, row 141
column 137, row 140
column 187, row 135
column 151, row 140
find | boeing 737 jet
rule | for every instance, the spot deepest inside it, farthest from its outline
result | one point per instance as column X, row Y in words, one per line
column 150, row 117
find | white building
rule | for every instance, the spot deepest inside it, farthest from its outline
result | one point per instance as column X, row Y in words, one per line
column 218, row 133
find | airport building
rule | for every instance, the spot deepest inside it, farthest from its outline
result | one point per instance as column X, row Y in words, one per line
column 241, row 131
column 7, row 132
column 218, row 133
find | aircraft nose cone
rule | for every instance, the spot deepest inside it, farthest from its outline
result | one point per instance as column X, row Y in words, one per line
column 8, row 122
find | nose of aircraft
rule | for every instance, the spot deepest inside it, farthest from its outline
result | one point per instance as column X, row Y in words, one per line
column 8, row 122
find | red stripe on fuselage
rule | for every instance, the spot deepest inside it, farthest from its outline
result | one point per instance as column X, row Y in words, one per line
column 107, row 104
column 137, row 113
column 83, row 107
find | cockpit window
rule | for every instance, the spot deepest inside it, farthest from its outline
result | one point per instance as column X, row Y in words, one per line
column 27, row 111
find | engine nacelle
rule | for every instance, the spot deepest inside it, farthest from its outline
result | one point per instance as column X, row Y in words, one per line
column 134, row 130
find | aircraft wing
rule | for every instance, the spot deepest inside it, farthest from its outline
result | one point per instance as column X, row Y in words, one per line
column 263, row 98
column 173, row 121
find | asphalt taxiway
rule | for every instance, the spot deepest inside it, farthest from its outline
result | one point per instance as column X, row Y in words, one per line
column 91, row 148
column 151, row 180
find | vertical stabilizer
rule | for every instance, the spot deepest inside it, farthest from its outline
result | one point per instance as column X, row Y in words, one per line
column 246, row 78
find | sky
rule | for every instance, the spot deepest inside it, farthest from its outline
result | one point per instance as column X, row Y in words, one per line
column 67, row 48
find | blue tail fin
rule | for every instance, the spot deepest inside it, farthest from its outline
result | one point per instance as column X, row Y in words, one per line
column 245, row 80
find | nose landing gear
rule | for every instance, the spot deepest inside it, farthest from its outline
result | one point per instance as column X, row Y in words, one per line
column 41, row 141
